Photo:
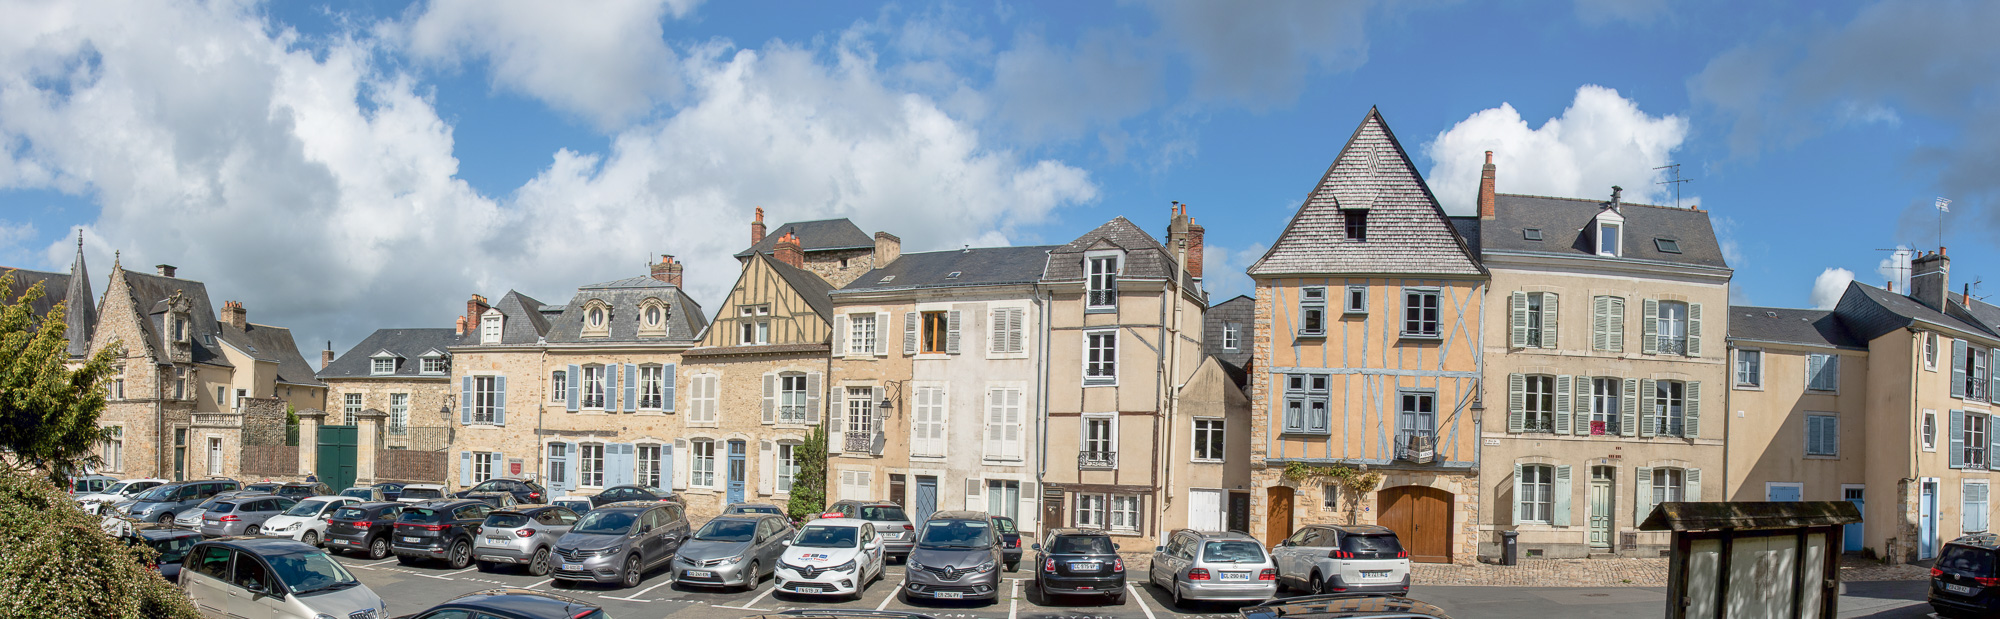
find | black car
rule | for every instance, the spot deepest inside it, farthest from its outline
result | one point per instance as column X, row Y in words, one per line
column 171, row 542
column 512, row 604
column 363, row 527
column 524, row 491
column 1965, row 580
column 1343, row 606
column 265, row 487
column 302, row 489
column 1080, row 562
column 390, row 490
column 441, row 529
column 620, row 494
column 1010, row 541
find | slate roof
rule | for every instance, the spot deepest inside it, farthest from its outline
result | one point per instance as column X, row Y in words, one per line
column 821, row 235
column 1145, row 257
column 1868, row 312
column 810, row 287
column 80, row 319
column 1565, row 227
column 986, row 266
column 273, row 344
column 684, row 317
column 410, row 344
column 1241, row 311
column 1796, row 326
column 150, row 293
column 1408, row 232
column 55, row 288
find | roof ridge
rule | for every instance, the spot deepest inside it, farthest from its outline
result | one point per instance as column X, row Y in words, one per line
column 1620, row 203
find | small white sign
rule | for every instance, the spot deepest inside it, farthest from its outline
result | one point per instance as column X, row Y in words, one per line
column 1492, row 441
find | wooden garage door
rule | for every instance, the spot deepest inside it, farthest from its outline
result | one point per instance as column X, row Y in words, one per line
column 1421, row 518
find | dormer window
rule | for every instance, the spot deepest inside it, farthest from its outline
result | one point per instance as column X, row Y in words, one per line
column 1357, row 224
column 180, row 330
column 653, row 316
column 1102, row 269
column 597, row 317
column 382, row 365
column 434, row 362
column 1667, row 246
column 489, row 327
column 1610, row 226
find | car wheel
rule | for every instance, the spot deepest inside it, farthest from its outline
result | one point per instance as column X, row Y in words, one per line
column 539, row 565
column 1318, row 584
column 1179, row 602
column 252, row 530
column 460, row 555
column 756, row 576
column 166, row 519
column 378, row 548
column 485, row 566
column 311, row 538
column 632, row 574
column 1013, row 566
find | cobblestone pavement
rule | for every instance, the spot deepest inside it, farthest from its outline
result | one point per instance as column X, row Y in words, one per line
column 1620, row 572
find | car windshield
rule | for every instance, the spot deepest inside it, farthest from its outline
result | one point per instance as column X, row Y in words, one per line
column 359, row 493
column 827, row 537
column 1966, row 560
column 422, row 493
column 731, row 530
column 295, row 491
column 505, row 520
column 1081, row 545
column 956, row 534
column 1238, row 551
column 305, row 508
column 262, row 487
column 158, row 493
column 222, row 508
column 491, row 485
column 881, row 513
column 419, row 514
column 117, row 487
column 350, row 513
column 173, row 548
column 308, row 572
column 1006, row 525
column 606, row 522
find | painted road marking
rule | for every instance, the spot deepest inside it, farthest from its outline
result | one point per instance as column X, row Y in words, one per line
column 892, row 596
column 1014, row 601
column 1141, row 600
column 465, row 570
column 753, row 601
column 541, row 583
column 634, row 597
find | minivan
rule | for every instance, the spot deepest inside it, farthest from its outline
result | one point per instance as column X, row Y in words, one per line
column 618, row 543
column 1327, row 558
column 273, row 578
column 957, row 556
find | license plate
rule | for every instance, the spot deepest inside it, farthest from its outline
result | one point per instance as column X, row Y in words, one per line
column 1085, row 566
column 701, row 573
column 345, row 542
column 1958, row 589
column 494, row 541
column 1374, row 573
column 810, row 589
column 573, row 567
column 413, row 540
column 949, row 595
column 1236, row 576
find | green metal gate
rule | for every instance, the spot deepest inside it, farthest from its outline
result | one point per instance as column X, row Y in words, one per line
column 336, row 456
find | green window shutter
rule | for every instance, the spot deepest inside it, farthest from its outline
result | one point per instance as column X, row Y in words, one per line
column 1563, row 402
column 1693, row 489
column 1958, row 368
column 1955, row 437
column 1628, row 418
column 1549, row 314
column 1649, row 330
column 1582, row 404
column 1520, row 330
column 1691, row 411
column 1616, row 319
column 1520, row 502
column 1517, row 399
column 1600, row 323
column 1561, row 490
column 1642, row 500
column 1648, row 396
column 1694, row 330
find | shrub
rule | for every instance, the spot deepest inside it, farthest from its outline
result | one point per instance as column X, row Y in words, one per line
column 56, row 562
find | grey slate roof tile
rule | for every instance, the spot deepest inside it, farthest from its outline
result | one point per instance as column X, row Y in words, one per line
column 983, row 266
column 1797, row 326
column 1240, row 311
column 684, row 317
column 1564, row 224
column 152, row 291
column 274, row 344
column 1868, row 312
column 810, row 287
column 821, row 235
column 410, row 344
column 524, row 322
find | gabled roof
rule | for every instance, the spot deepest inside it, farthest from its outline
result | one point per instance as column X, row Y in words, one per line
column 821, row 235
column 1564, row 224
column 684, row 317
column 55, row 289
column 411, row 344
column 1868, row 312
column 1145, row 257
column 273, row 344
column 985, row 266
column 810, row 287
column 1795, row 326
column 524, row 322
column 150, row 293
column 1407, row 231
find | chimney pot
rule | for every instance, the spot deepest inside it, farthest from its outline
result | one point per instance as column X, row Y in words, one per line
column 165, row 270
column 1617, row 196
column 787, row 251
column 887, row 249
column 1486, row 195
column 234, row 315
column 667, row 270
column 757, row 228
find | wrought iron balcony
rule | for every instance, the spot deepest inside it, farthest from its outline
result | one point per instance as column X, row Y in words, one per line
column 860, row 441
column 1097, row 460
column 1418, row 446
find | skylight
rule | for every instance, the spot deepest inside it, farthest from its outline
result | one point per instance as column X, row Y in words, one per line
column 886, row 279
column 953, row 275
column 1667, row 246
column 1532, row 234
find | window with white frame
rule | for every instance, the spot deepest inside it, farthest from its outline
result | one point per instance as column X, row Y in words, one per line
column 1090, row 511
column 1124, row 512
column 1100, row 364
column 1976, row 518
column 1103, row 282
column 558, row 457
column 701, row 455
column 114, row 448
column 1929, row 431
column 180, row 383
column 1604, row 412
column 382, row 365
column 1673, row 333
column 861, row 334
column 1975, row 373
column 399, row 413
column 788, row 466
column 792, row 397
column 1669, row 484
column 1822, row 435
column 1208, row 436
column 558, row 386
column 434, row 365
column 1974, row 436
column 1608, row 239
column 1357, row 300
column 1307, row 403
column 1749, row 368
column 1930, row 351
column 1535, row 319
column 1420, row 313
column 1538, row 403
column 1231, row 337
column 1670, row 407
column 649, row 466
column 703, row 399
column 1003, row 498
column 1822, row 372
column 482, row 465
column 485, row 399
column 1003, row 423
column 1100, row 439
column 221, row 400
column 652, row 386
column 489, row 328
column 1009, row 331
column 860, row 411
column 590, row 465
column 350, row 408
column 214, row 456
column 593, row 386
column 753, row 324
column 1312, row 311
column 1536, row 500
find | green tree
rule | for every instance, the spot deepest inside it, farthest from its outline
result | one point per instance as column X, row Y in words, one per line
column 809, row 485
column 48, row 411
column 56, row 562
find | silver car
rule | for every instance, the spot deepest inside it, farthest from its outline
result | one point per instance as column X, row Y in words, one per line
column 618, row 543
column 733, row 551
column 1198, row 566
column 161, row 503
column 521, row 535
column 242, row 515
column 891, row 523
column 191, row 517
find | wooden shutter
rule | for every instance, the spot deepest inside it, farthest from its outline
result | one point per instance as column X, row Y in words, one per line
column 1956, row 439
column 465, row 469
column 1993, row 442
column 973, row 493
column 1563, row 404
column 770, row 398
column 465, row 403
column 1649, row 330
column 667, row 468
column 610, row 387
column 909, row 333
column 1694, row 330
column 1517, row 402
column 570, row 381
column 1642, row 501
column 668, row 378
column 1958, row 368
column 996, row 335
column 1520, row 330
column 881, row 334
column 767, row 468
column 1600, row 323
column 812, row 397
column 1584, row 399
column 1010, row 437
column 1520, row 499
column 995, row 401
column 1628, row 418
column 631, row 387
column 1559, row 511
column 1691, row 488
column 840, row 339
column 1549, row 314
column 499, row 400
column 1615, row 317
column 1992, row 375
column 951, row 332
column 1691, row 410
column 836, row 416
column 1649, row 418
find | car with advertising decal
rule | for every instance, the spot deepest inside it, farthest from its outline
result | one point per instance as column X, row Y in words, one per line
column 306, row 521
column 831, row 556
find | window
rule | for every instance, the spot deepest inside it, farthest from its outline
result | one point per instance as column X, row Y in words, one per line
column 220, row 399
column 1822, row 435
column 1667, row 246
column 1930, row 431
column 936, row 333
column 649, row 466
column 434, row 365
column 350, row 408
column 558, row 385
column 114, row 448
column 1531, row 234
column 1124, row 512
column 1750, row 368
column 1604, row 412
column 1312, row 311
column 1100, row 440
column 788, row 466
column 856, row 485
column 591, row 465
column 180, row 383
column 1357, row 224
column 399, row 413
column 792, row 397
column 927, row 422
column 117, row 390
column 489, row 328
column 1420, row 313
column 1100, row 365
column 1607, row 238
column 1009, row 331
column 1357, row 300
column 1974, row 437
column 1822, row 372
column 652, row 386
column 754, row 321
column 482, row 466
column 1975, row 374
column 1668, row 485
column 703, row 402
column 237, row 404
column 1930, row 351
column 215, row 456
column 1976, row 518
column 861, row 334
column 1534, row 319
column 1090, row 511
column 1673, row 328
column 1003, row 423
column 558, row 473
column 1669, row 406
column 1416, row 425
column 653, row 316
column 382, row 365
column 593, row 386
column 1003, row 498
column 1103, row 282
column 702, row 473
column 596, row 317
column 1539, row 403
column 485, row 399
column 1330, row 497
column 1307, row 402
column 1537, row 493
column 1231, row 337
column 1208, row 437
column 861, row 412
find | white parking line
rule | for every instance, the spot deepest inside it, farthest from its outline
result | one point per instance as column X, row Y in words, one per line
column 752, row 604
column 892, row 596
column 1141, row 600
column 541, row 583
column 635, row 597
column 464, row 570
column 1014, row 601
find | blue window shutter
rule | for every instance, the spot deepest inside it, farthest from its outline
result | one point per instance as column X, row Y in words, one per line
column 572, row 466
column 1958, row 368
column 610, row 387
column 1956, row 435
column 667, row 391
column 631, row 387
column 465, row 403
column 1559, row 511
column 1993, row 442
column 465, row 468
column 570, row 381
column 500, row 400
column 667, row 464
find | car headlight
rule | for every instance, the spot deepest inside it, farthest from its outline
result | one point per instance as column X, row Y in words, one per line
column 844, row 567
column 912, row 564
column 732, row 560
column 986, row 567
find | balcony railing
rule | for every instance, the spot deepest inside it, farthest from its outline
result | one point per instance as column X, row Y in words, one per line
column 1097, row 460
column 218, row 420
column 1418, row 446
column 1673, row 344
column 860, row 441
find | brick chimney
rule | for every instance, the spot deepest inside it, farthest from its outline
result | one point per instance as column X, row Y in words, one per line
column 1195, row 232
column 474, row 308
column 326, row 356
column 757, row 228
column 234, row 315
column 1930, row 279
column 1486, row 188
column 165, row 270
column 887, row 249
column 667, row 270
column 787, row 251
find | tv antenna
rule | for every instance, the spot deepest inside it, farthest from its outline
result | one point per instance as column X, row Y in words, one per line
column 1901, row 268
column 1674, row 182
column 1943, row 206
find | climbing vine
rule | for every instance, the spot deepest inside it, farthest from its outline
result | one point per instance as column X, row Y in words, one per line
column 1352, row 482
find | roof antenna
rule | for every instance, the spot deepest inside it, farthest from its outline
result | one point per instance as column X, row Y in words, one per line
column 1674, row 182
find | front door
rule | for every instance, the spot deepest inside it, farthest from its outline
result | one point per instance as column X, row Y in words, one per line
column 1205, row 510
column 1052, row 509
column 736, row 471
column 337, row 451
column 1421, row 518
column 926, row 502
column 1239, row 511
column 180, row 453
column 1927, row 519
column 898, row 489
column 1601, row 507
column 1852, row 537
column 1278, row 514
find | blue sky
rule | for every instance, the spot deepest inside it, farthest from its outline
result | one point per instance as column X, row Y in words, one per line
column 341, row 167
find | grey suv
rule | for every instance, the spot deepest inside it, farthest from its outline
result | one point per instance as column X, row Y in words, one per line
column 521, row 535
column 162, row 502
column 898, row 534
column 957, row 556
column 617, row 543
column 242, row 515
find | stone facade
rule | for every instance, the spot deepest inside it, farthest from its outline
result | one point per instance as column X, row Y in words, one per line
column 429, row 408
column 840, row 267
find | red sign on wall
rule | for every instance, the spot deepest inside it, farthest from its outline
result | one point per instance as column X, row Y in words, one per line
column 514, row 468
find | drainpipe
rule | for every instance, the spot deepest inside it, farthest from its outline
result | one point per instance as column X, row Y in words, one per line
column 1177, row 231
column 1042, row 406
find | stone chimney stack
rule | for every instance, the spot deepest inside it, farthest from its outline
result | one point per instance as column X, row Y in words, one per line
column 1930, row 279
column 165, row 270
column 887, row 249
column 326, row 356
column 234, row 315
column 1617, row 196
column 667, row 270
column 787, row 251
column 1486, row 188
column 757, row 228
column 474, row 308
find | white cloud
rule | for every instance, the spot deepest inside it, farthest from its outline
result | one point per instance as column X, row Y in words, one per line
column 1828, row 287
column 1224, row 270
column 1896, row 268
column 1601, row 140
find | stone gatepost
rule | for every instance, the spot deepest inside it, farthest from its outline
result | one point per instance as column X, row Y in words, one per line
column 367, row 437
column 309, row 422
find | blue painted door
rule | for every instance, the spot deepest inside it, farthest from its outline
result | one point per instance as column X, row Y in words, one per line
column 1927, row 520
column 926, row 502
column 736, row 471
column 1783, row 494
column 1851, row 538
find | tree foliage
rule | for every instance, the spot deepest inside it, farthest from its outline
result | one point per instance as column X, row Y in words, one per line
column 809, row 485
column 56, row 562
column 48, row 411
column 1352, row 482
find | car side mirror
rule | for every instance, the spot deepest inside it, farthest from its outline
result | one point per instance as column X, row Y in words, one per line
column 255, row 587
column 1159, row 549
column 1035, row 547
column 785, row 543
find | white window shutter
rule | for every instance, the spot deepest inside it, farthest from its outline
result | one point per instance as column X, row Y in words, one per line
column 770, row 398
column 499, row 401
column 1517, row 402
column 1520, row 496
column 767, row 468
column 882, row 334
column 975, row 493
column 1600, row 323
column 1582, row 402
column 1520, row 326
column 1011, row 438
column 951, row 332
column 812, row 398
column 631, row 387
column 836, row 416
column 1616, row 320
column 1694, row 330
column 840, row 339
column 1560, row 509
column 1549, row 314
column 1642, row 501
column 876, row 442
column 570, row 384
column 465, row 469
column 464, row 403
column 668, row 378
column 995, row 405
column 1649, row 331
column 1693, row 486
column 996, row 332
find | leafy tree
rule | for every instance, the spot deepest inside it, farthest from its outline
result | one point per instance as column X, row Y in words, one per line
column 809, row 485
column 55, row 561
column 48, row 411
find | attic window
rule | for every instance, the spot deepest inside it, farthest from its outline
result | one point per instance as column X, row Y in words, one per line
column 1667, row 246
column 886, row 279
column 1532, row 234
column 953, row 275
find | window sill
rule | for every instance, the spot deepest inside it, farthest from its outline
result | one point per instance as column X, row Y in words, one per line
column 1822, row 392
column 1306, row 433
column 1310, row 335
column 704, row 424
column 1757, row 387
column 1354, row 312
column 1113, row 309
column 1421, row 336
column 1822, row 457
column 1108, row 383
column 1206, row 460
column 1007, row 461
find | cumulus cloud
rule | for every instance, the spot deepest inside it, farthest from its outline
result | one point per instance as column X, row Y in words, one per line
column 1828, row 287
column 1601, row 139
column 1224, row 270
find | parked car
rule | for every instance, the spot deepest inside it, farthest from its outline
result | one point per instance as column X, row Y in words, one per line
column 266, row 487
column 390, row 490
column 1080, row 562
column 306, row 521
column 580, row 506
column 733, row 550
column 172, row 544
column 753, row 508
column 90, row 484
column 162, row 502
column 524, row 491
column 496, row 499
column 891, row 523
column 522, row 535
column 273, row 578
column 619, row 542
column 512, row 604
column 366, row 493
column 1344, row 606
column 1965, row 578
column 1329, row 558
column 244, row 515
column 1209, row 566
column 620, row 494
column 1010, row 541
column 957, row 556
column 191, row 517
column 123, row 490
column 418, row 493
column 301, row 489
column 364, row 527
column 441, row 529
column 832, row 556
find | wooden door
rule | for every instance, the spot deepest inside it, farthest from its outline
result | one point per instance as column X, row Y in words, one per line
column 1421, row 518
column 1601, row 509
column 1278, row 516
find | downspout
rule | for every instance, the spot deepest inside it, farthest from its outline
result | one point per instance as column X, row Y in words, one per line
column 1178, row 232
column 1916, row 442
column 1042, row 406
column 542, row 451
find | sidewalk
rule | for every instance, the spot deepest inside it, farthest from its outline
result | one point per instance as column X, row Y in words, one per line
column 1619, row 572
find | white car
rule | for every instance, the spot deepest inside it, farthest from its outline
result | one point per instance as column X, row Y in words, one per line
column 831, row 556
column 306, row 521
column 123, row 490
column 418, row 493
